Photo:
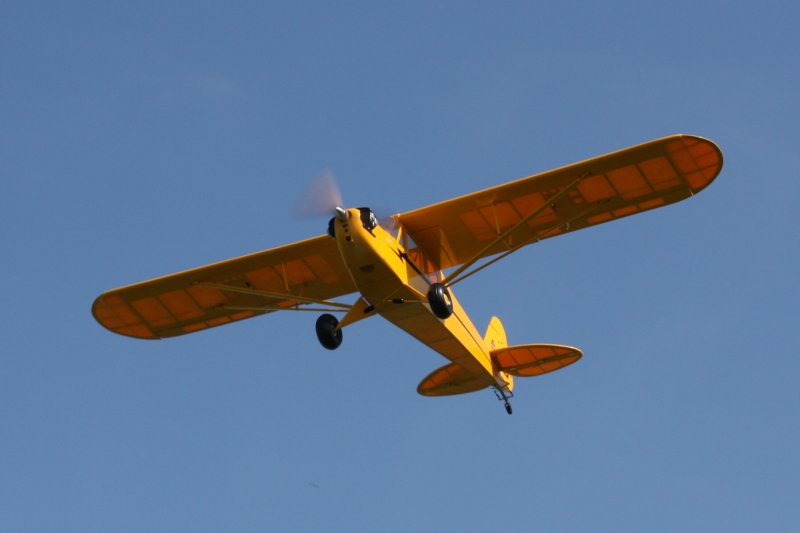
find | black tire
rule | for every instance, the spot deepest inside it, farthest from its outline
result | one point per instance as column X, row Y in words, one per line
column 508, row 408
column 329, row 337
column 440, row 301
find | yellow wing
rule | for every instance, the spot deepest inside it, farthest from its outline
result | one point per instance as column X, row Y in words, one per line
column 615, row 185
column 184, row 303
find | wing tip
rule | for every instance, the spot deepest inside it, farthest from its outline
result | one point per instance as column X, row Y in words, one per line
column 698, row 159
column 111, row 312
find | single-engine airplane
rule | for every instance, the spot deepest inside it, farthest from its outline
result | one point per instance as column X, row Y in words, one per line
column 397, row 266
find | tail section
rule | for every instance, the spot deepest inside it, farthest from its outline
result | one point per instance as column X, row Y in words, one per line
column 507, row 361
column 453, row 379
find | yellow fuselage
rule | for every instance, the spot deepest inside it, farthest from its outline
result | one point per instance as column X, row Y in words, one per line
column 383, row 275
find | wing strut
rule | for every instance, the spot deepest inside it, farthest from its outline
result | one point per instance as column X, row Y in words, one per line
column 507, row 234
column 276, row 295
column 535, row 238
column 275, row 308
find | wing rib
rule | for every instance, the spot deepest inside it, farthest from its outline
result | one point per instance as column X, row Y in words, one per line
column 513, row 230
column 534, row 239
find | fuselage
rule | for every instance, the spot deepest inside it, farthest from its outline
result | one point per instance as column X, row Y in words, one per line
column 393, row 276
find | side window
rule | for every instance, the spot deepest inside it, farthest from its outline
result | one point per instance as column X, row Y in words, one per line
column 433, row 274
column 413, row 251
column 422, row 263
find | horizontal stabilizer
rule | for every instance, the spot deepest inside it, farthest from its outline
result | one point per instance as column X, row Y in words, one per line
column 534, row 359
column 448, row 380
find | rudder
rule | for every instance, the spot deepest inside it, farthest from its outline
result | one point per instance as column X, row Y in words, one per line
column 495, row 337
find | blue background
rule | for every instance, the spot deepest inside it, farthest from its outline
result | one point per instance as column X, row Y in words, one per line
column 147, row 138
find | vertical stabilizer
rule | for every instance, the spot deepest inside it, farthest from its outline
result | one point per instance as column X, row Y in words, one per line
column 495, row 337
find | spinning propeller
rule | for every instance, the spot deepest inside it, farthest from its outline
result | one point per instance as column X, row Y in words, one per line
column 321, row 197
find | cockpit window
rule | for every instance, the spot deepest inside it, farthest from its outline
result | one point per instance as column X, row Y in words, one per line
column 368, row 218
column 392, row 226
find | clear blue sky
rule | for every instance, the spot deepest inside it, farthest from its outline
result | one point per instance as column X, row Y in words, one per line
column 141, row 139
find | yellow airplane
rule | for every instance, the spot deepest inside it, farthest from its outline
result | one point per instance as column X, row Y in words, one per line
column 397, row 267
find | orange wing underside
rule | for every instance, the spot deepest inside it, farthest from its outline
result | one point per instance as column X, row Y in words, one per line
column 179, row 304
column 449, row 380
column 450, row 233
column 619, row 184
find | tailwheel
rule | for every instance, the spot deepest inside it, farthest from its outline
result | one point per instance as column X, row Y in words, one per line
column 329, row 337
column 503, row 396
column 440, row 301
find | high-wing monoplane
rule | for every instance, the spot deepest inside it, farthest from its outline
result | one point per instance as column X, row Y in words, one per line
column 398, row 268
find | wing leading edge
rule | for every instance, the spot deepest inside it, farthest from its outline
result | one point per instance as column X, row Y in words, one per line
column 613, row 186
column 182, row 303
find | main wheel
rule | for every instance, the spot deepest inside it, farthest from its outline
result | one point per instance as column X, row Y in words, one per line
column 329, row 337
column 508, row 408
column 440, row 301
